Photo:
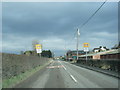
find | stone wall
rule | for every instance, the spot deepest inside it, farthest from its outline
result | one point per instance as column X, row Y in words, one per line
column 112, row 65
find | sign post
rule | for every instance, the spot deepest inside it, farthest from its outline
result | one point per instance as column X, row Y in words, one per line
column 86, row 45
column 38, row 49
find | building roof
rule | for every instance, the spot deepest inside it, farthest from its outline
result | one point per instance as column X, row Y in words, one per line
column 89, row 55
column 113, row 51
column 96, row 48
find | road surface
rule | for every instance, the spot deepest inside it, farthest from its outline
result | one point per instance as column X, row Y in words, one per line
column 61, row 74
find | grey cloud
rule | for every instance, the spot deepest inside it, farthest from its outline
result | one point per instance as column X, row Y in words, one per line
column 60, row 20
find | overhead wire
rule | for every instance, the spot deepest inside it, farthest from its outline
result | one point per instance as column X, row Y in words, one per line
column 89, row 19
column 93, row 14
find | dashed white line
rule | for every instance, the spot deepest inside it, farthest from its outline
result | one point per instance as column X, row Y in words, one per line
column 73, row 78
column 64, row 68
column 69, row 73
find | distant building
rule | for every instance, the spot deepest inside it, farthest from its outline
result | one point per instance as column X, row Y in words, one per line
column 100, row 49
column 114, row 55
column 117, row 46
column 107, row 55
column 96, row 50
column 73, row 54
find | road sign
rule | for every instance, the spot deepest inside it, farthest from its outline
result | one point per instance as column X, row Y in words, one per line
column 86, row 45
column 86, row 49
column 38, row 48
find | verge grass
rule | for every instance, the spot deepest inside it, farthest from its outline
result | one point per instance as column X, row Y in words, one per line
column 11, row 82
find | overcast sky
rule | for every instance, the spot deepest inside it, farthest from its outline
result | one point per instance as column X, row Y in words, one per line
column 54, row 25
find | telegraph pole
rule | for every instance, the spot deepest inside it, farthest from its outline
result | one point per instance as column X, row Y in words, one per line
column 65, row 52
column 78, row 34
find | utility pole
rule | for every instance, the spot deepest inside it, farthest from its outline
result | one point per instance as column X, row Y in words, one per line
column 78, row 34
column 86, row 56
column 65, row 56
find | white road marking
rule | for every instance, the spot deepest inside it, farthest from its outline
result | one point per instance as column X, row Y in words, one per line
column 55, row 66
column 64, row 68
column 73, row 78
column 69, row 73
column 77, row 66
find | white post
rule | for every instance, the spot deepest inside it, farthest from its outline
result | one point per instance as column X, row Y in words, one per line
column 78, row 33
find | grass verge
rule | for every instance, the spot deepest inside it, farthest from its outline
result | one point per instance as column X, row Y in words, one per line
column 9, row 83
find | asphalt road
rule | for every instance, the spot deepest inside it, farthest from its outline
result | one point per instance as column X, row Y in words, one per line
column 61, row 74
